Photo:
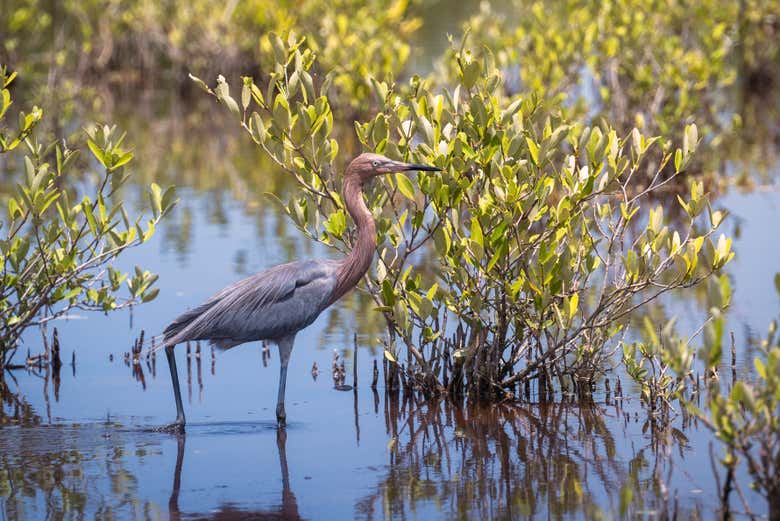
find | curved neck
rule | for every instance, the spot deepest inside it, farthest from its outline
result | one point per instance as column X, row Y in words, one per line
column 356, row 264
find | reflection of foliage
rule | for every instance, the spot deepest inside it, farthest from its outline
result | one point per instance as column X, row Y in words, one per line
column 57, row 255
column 14, row 408
column 356, row 313
column 64, row 473
column 759, row 36
column 60, row 472
column 46, row 474
column 753, row 157
column 509, row 462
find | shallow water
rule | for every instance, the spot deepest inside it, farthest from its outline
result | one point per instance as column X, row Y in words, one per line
column 361, row 456
column 87, row 448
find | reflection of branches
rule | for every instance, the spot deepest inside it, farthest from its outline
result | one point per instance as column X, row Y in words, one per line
column 511, row 461
column 19, row 410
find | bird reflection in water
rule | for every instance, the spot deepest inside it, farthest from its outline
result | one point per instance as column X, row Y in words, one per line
column 287, row 510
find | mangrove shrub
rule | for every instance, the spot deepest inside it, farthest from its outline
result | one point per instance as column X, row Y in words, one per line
column 58, row 245
column 521, row 261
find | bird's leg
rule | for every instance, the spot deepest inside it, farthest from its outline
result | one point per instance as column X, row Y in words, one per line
column 285, row 348
column 178, row 425
column 281, row 417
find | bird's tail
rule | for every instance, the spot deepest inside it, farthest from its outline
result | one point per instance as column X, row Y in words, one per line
column 158, row 342
column 183, row 327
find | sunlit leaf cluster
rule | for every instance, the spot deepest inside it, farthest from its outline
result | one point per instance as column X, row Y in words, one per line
column 637, row 63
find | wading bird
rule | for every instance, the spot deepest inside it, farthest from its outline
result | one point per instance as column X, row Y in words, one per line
column 277, row 303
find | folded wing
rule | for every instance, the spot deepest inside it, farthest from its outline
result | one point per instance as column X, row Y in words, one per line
column 266, row 306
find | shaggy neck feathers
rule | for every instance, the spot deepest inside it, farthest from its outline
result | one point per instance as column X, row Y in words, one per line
column 355, row 265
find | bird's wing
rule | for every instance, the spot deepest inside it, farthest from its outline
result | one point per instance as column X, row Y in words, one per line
column 268, row 305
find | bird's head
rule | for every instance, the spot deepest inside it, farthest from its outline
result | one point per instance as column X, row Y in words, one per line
column 367, row 166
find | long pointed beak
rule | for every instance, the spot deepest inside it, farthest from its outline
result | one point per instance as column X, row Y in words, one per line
column 405, row 167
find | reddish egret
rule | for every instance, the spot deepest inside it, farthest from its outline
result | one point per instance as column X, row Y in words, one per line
column 277, row 303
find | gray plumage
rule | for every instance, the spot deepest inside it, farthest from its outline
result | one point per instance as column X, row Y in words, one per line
column 266, row 306
column 277, row 303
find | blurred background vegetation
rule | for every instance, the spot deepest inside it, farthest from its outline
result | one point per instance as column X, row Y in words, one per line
column 653, row 65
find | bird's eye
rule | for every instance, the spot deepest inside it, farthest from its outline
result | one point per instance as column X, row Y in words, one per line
column 375, row 163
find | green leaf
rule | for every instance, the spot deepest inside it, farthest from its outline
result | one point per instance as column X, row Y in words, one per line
column 499, row 254
column 155, row 198
column 168, row 200
column 760, row 368
column 476, row 232
column 73, row 293
column 280, row 53
column 231, row 104
column 87, row 210
column 149, row 232
column 97, row 152
column 308, row 87
column 6, row 102
column 200, row 83
column 223, row 95
column 122, row 160
column 405, row 186
column 257, row 128
column 14, row 209
column 574, row 301
column 246, row 93
column 281, row 112
column 533, row 149
column 257, row 95
column 470, row 73
column 442, row 241
column 150, row 295
column 388, row 294
column 427, row 129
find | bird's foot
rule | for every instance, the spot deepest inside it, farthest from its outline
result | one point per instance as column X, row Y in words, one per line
column 281, row 417
column 176, row 427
